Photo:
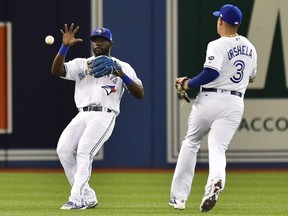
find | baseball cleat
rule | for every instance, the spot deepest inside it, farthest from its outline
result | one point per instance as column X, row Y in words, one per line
column 89, row 205
column 177, row 204
column 211, row 195
column 70, row 205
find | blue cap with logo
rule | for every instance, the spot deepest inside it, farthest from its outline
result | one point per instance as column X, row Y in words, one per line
column 230, row 14
column 102, row 32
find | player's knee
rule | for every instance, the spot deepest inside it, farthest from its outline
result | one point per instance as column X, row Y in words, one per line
column 62, row 152
column 192, row 145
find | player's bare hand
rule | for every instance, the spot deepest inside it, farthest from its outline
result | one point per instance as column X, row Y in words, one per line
column 69, row 35
column 183, row 81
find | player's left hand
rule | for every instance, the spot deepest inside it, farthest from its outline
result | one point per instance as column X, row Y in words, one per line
column 181, row 87
column 102, row 66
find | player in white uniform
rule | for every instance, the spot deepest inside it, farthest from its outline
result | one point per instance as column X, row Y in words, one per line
column 230, row 64
column 98, row 102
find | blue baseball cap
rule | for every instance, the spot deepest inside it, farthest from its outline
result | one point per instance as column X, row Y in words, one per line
column 230, row 14
column 102, row 32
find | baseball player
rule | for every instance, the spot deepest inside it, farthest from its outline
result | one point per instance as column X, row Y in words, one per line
column 100, row 81
column 229, row 66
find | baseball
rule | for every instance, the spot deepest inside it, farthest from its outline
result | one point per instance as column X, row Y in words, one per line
column 49, row 40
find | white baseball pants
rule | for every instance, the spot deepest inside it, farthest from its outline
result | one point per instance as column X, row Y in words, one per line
column 218, row 114
column 77, row 145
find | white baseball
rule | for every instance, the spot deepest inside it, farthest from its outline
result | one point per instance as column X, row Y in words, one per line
column 49, row 40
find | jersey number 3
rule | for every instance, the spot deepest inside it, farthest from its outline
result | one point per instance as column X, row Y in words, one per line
column 240, row 65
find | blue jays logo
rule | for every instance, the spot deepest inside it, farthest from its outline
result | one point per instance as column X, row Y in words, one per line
column 109, row 89
column 100, row 30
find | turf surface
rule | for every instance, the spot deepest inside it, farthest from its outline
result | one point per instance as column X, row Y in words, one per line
column 42, row 194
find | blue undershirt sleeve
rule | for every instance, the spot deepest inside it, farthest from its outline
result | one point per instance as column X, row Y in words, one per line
column 207, row 75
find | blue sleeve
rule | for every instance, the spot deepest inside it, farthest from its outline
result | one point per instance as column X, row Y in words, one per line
column 207, row 75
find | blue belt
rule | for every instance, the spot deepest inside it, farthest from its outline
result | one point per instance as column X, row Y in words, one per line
column 239, row 94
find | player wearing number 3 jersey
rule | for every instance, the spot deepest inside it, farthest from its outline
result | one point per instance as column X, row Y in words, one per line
column 230, row 65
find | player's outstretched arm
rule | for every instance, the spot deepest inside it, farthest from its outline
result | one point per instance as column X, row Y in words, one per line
column 68, row 40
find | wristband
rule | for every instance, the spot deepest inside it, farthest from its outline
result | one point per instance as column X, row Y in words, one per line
column 63, row 50
column 126, row 80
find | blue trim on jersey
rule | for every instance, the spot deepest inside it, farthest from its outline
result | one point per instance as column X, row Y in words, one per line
column 207, row 75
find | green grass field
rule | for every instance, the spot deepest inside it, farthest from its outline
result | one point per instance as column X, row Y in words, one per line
column 42, row 194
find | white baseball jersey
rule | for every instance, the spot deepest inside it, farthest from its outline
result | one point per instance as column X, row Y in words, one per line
column 105, row 91
column 235, row 59
column 216, row 113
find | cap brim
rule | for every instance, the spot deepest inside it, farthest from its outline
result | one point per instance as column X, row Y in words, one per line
column 216, row 13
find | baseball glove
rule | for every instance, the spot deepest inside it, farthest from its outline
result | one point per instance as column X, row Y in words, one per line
column 102, row 66
column 180, row 88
